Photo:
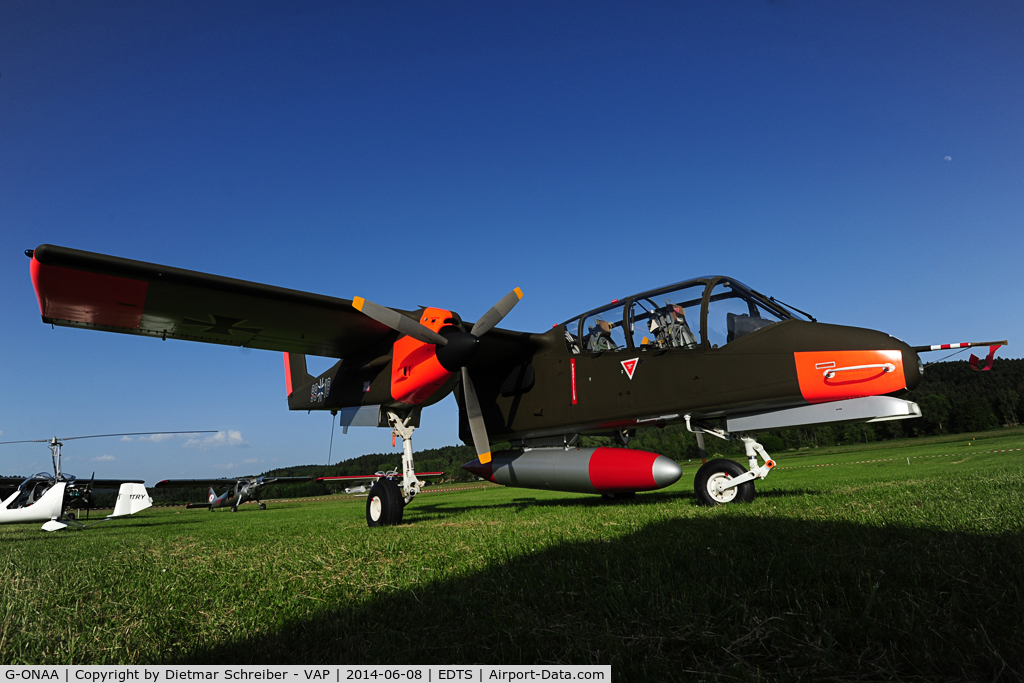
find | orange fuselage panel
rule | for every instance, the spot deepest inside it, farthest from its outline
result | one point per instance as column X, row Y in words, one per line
column 415, row 371
column 837, row 375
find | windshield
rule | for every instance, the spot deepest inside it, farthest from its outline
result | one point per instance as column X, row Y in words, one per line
column 32, row 489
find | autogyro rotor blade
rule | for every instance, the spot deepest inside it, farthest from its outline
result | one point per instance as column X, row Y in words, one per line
column 101, row 436
column 397, row 321
column 497, row 312
column 475, row 416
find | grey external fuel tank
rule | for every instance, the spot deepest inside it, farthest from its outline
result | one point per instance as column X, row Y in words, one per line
column 579, row 470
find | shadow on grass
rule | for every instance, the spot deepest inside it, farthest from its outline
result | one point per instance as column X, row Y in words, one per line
column 706, row 598
column 429, row 511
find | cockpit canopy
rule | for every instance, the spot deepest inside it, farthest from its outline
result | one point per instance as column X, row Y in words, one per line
column 707, row 312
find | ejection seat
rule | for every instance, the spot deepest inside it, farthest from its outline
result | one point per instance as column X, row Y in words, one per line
column 670, row 328
column 739, row 325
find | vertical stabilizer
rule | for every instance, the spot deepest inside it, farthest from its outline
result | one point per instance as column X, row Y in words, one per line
column 295, row 373
column 131, row 498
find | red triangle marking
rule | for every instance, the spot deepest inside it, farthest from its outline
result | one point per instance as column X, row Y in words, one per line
column 630, row 366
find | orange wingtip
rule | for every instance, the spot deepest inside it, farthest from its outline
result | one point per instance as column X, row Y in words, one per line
column 357, row 303
column 484, row 458
column 518, row 292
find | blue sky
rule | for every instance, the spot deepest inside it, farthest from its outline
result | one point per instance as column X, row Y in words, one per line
column 862, row 161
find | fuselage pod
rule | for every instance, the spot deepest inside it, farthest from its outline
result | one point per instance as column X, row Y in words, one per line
column 579, row 470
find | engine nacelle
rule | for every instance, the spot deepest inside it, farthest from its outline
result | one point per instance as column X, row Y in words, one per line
column 579, row 470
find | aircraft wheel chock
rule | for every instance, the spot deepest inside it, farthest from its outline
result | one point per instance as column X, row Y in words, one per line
column 714, row 471
column 384, row 505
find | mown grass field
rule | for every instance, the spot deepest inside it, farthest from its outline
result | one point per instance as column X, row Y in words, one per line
column 907, row 568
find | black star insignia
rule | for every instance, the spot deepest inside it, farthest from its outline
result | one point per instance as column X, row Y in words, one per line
column 221, row 325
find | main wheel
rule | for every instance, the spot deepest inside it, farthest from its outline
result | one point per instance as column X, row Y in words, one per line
column 714, row 471
column 263, row 506
column 384, row 505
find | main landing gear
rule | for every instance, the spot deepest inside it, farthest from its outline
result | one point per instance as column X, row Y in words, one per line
column 722, row 481
column 386, row 502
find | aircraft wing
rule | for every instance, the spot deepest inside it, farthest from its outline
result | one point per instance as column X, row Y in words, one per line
column 106, row 483
column 357, row 477
column 11, row 481
column 194, row 483
column 84, row 289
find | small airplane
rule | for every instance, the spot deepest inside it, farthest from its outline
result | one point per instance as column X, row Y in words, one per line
column 709, row 352
column 242, row 490
column 376, row 507
column 47, row 498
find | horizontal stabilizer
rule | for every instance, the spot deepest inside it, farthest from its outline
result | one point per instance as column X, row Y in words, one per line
column 397, row 475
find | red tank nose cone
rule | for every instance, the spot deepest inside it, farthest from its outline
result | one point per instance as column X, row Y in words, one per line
column 623, row 469
column 480, row 469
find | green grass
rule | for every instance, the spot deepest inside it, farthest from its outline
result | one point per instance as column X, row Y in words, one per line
column 851, row 571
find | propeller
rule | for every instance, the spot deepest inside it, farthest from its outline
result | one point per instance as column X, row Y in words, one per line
column 453, row 350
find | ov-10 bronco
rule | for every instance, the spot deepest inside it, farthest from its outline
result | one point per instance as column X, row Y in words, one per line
column 708, row 352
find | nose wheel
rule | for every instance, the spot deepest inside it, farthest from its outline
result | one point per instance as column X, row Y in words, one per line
column 714, row 483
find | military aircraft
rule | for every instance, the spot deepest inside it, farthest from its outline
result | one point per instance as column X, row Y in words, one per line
column 710, row 353
column 47, row 498
column 242, row 490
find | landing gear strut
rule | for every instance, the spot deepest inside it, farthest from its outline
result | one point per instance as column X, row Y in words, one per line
column 386, row 502
column 723, row 481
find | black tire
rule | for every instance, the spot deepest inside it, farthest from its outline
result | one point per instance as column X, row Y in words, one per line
column 620, row 496
column 715, row 469
column 263, row 506
column 385, row 504
column 234, row 508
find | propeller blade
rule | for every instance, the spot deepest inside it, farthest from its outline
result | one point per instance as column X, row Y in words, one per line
column 497, row 312
column 476, row 419
column 397, row 321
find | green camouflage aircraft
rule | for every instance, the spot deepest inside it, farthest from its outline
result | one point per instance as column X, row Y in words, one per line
column 708, row 352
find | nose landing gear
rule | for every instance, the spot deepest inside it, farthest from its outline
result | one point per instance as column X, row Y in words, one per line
column 722, row 481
